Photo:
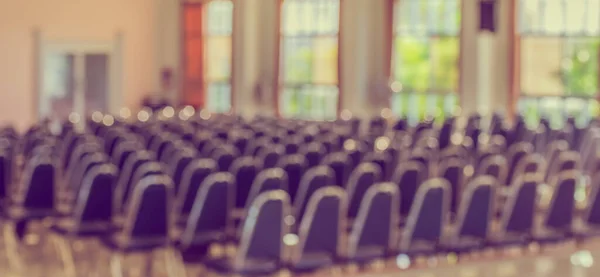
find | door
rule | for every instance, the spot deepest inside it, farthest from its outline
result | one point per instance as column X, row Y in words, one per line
column 76, row 78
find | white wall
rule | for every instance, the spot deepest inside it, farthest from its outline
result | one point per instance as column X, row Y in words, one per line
column 73, row 20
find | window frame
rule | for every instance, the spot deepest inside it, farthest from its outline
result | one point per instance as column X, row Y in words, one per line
column 279, row 84
column 515, row 61
column 390, row 40
column 188, row 91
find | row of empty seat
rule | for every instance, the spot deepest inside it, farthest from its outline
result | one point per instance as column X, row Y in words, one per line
column 294, row 195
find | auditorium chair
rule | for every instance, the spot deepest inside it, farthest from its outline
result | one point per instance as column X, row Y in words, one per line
column 221, row 194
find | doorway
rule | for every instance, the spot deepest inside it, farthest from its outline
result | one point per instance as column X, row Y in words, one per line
column 78, row 78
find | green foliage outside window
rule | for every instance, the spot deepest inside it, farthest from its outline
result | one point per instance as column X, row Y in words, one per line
column 426, row 68
column 579, row 75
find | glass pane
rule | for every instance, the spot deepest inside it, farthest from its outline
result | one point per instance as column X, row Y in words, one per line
column 570, row 17
column 412, row 17
column 444, row 16
column 219, row 18
column 96, row 82
column 291, row 24
column 58, row 86
column 289, row 101
column 309, row 56
column 219, row 97
column 326, row 16
column 411, row 66
column 576, row 107
column 553, row 16
column 422, row 17
column 444, row 63
column 552, row 108
column 591, row 20
column 310, row 17
column 325, row 64
column 298, row 60
column 574, row 21
column 541, row 66
column 580, row 69
column 594, row 108
column 218, row 58
column 312, row 102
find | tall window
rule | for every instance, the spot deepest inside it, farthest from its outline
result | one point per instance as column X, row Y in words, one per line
column 309, row 77
column 559, row 54
column 426, row 53
column 208, row 29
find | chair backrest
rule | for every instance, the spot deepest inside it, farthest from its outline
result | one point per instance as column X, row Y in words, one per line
column 148, row 212
column 294, row 166
column 564, row 161
column 377, row 220
column 530, row 164
column 167, row 139
column 257, row 145
column 39, row 179
column 122, row 152
column 210, row 216
column 240, row 139
column 323, row 224
column 224, row 156
column 554, row 149
column 170, row 154
column 181, row 160
column 112, row 139
column 313, row 180
column 314, row 153
column 495, row 166
column 267, row 180
column 192, row 179
column 451, row 169
column 454, row 151
column 331, row 141
column 423, row 156
column 96, row 194
column 271, row 156
column 519, row 209
column 74, row 149
column 383, row 161
column 133, row 162
column 362, row 178
column 263, row 229
column 409, row 177
column 592, row 210
column 516, row 153
column 445, row 133
column 562, row 205
column 341, row 166
column 85, row 165
column 201, row 139
column 79, row 153
column 292, row 145
column 144, row 170
column 5, row 168
column 427, row 217
column 244, row 170
column 476, row 208
column 356, row 150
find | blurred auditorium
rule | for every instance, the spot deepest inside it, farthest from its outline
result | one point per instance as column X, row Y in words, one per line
column 284, row 138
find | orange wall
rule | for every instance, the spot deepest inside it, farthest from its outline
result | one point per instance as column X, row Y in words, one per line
column 72, row 20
